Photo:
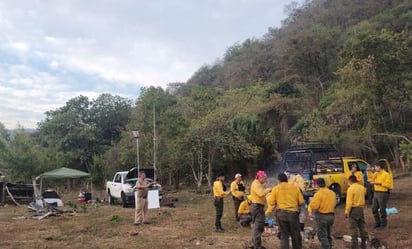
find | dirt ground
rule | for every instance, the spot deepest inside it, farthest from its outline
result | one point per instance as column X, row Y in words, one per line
column 188, row 225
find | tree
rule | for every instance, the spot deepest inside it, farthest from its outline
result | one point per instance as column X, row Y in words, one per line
column 25, row 159
column 229, row 130
column 4, row 146
column 312, row 59
column 83, row 129
column 109, row 115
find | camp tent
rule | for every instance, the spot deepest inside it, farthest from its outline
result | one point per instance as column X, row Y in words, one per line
column 62, row 173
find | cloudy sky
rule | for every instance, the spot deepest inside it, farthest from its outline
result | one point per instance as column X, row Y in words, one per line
column 55, row 50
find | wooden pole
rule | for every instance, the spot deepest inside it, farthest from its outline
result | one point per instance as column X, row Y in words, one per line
column 11, row 196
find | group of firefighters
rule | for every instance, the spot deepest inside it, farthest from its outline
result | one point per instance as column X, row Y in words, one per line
column 286, row 199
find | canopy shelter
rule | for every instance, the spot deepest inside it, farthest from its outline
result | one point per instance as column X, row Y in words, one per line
column 62, row 173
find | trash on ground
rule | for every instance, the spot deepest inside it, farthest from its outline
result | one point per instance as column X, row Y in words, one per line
column 391, row 210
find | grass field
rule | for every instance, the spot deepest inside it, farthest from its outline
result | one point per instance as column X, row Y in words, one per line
column 189, row 225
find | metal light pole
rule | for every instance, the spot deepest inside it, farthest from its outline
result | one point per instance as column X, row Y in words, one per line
column 137, row 135
column 154, row 143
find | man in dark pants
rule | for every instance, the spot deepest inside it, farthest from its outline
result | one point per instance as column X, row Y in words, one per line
column 219, row 192
column 324, row 202
column 355, row 203
column 258, row 197
column 237, row 187
column 368, row 179
column 286, row 199
column 382, row 184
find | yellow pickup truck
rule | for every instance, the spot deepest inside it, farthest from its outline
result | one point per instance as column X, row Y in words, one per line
column 313, row 161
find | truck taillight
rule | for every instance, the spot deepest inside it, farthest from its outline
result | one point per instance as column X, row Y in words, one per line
column 315, row 183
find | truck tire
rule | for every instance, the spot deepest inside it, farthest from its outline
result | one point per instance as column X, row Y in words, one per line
column 111, row 199
column 125, row 204
column 338, row 193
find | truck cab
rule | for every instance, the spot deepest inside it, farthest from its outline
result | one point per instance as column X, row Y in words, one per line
column 132, row 175
column 119, row 188
column 313, row 161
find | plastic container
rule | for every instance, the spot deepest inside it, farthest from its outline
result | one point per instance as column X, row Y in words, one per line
column 81, row 199
column 348, row 238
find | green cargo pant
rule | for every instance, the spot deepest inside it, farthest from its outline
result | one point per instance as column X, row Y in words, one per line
column 324, row 224
column 357, row 226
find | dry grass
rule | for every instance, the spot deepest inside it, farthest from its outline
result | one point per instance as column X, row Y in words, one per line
column 189, row 225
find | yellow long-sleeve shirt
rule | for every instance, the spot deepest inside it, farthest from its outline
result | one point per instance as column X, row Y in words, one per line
column 324, row 201
column 384, row 179
column 359, row 176
column 298, row 181
column 234, row 188
column 258, row 193
column 218, row 189
column 286, row 196
column 244, row 207
column 355, row 197
column 369, row 175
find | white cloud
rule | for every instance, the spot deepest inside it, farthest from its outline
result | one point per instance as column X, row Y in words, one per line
column 21, row 46
column 54, row 64
column 61, row 49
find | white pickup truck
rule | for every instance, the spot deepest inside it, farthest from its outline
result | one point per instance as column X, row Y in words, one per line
column 122, row 187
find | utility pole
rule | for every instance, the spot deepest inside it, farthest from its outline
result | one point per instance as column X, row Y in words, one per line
column 136, row 135
column 154, row 143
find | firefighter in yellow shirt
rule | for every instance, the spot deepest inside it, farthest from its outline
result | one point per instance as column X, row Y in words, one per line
column 286, row 199
column 382, row 183
column 368, row 184
column 355, row 203
column 355, row 170
column 237, row 187
column 219, row 192
column 324, row 203
column 244, row 212
column 298, row 180
column 258, row 197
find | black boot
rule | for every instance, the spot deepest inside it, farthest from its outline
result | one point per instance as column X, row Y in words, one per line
column 363, row 244
column 384, row 223
column 377, row 222
column 219, row 229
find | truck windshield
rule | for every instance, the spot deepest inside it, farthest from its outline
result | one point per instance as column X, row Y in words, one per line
column 307, row 159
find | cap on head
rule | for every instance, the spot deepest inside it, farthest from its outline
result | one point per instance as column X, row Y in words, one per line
column 321, row 182
column 260, row 173
column 282, row 177
column 287, row 173
column 238, row 175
